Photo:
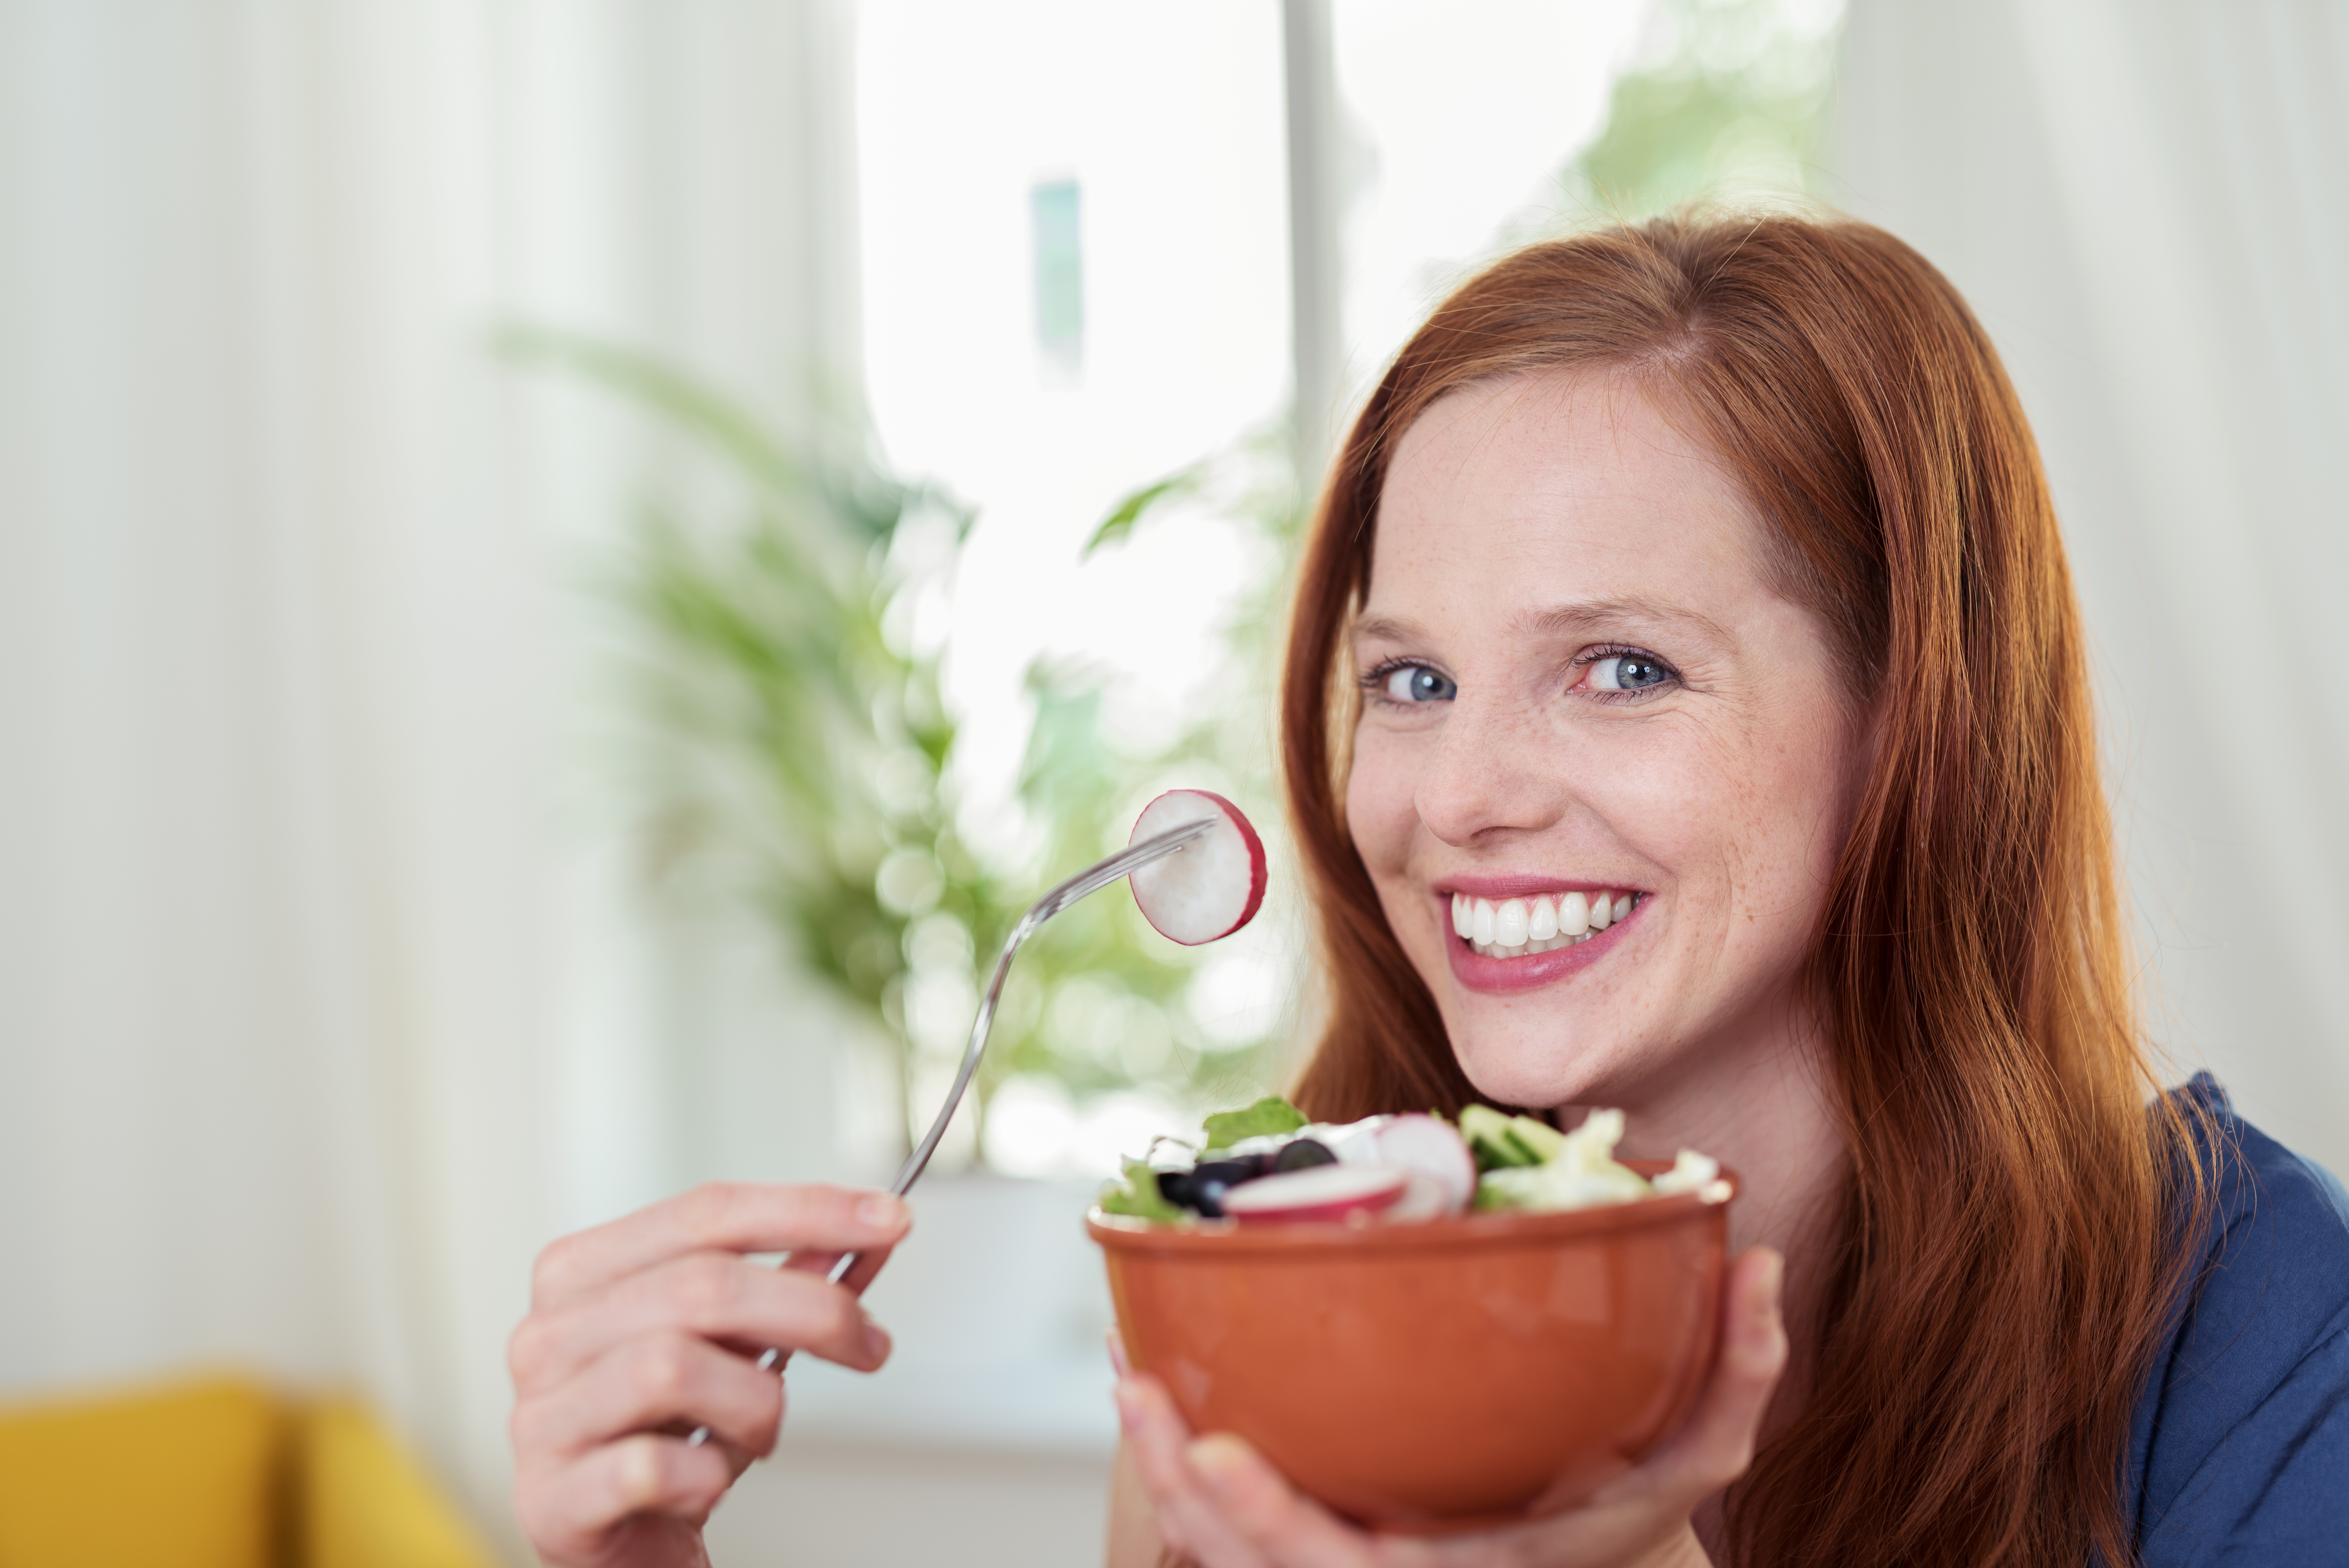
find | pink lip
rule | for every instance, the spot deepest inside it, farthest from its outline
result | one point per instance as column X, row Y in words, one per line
column 1478, row 973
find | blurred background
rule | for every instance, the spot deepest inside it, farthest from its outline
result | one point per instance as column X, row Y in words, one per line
column 567, row 566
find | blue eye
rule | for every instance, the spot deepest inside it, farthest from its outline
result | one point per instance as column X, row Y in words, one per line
column 1628, row 672
column 1416, row 682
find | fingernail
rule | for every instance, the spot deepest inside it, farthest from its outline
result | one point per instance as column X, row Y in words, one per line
column 1117, row 1354
column 882, row 1212
column 876, row 1340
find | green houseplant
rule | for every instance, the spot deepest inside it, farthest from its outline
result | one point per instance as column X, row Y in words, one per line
column 801, row 758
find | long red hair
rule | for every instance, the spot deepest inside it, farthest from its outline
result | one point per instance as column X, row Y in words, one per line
column 2004, row 1260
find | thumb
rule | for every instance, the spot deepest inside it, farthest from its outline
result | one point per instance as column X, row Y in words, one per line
column 1716, row 1443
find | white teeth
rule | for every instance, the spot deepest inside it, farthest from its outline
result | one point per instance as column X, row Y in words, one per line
column 1573, row 914
column 1544, row 923
column 1516, row 927
column 1547, row 945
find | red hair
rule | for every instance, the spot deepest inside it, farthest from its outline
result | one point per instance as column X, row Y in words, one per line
column 2002, row 1264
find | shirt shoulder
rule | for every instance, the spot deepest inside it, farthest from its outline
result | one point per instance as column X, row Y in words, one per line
column 2242, row 1442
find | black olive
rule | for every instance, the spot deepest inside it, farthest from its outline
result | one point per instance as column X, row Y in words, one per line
column 1303, row 1153
column 1174, row 1186
column 1212, row 1179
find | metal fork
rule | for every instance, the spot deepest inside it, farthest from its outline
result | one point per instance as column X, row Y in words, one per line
column 1092, row 880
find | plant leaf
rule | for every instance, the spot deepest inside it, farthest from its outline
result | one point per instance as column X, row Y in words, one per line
column 1122, row 517
column 684, row 399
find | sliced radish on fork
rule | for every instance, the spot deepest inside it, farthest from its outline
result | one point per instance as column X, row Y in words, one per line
column 1211, row 886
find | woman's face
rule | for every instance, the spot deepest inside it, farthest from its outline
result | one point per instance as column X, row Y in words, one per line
column 1578, row 685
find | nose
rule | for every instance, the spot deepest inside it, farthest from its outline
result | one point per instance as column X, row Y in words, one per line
column 1491, row 772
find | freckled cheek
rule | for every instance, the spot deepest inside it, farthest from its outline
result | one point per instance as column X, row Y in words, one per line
column 1383, row 815
column 1777, row 858
column 1379, row 809
column 1696, row 818
column 1668, row 811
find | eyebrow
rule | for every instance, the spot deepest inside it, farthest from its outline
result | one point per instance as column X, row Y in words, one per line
column 1580, row 615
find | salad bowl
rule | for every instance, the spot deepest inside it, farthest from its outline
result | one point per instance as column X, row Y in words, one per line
column 1456, row 1374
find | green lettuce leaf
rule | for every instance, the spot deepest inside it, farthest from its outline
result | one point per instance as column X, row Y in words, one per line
column 1267, row 1118
column 1137, row 1196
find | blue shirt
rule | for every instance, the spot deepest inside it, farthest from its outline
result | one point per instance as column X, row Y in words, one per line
column 2241, row 1448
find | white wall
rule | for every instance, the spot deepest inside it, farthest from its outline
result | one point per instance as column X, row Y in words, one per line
column 2146, row 203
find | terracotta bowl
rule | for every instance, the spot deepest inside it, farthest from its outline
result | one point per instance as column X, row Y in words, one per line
column 1424, row 1378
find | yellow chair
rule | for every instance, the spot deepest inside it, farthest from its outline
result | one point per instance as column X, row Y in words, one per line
column 217, row 1473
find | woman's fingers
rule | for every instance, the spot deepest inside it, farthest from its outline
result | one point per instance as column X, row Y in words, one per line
column 1716, row 1443
column 1157, row 1438
column 1217, row 1500
column 717, row 1216
column 643, row 1329
column 1268, row 1513
column 654, row 1381
column 570, row 1509
column 869, row 1262
column 716, row 1296
column 1135, row 1538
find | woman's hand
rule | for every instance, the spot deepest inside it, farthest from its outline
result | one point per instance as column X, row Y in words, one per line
column 643, row 1329
column 1219, row 1502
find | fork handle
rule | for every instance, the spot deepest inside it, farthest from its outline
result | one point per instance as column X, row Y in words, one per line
column 772, row 1359
column 1085, row 884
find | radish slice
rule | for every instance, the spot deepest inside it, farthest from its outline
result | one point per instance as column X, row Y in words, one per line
column 1211, row 886
column 1322, row 1192
column 1424, row 1198
column 1429, row 1146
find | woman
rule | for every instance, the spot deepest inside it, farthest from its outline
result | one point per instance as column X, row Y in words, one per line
column 1709, row 565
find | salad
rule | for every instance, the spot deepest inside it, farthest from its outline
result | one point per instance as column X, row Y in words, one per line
column 1267, row 1164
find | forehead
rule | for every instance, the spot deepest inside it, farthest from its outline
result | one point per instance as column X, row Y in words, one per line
column 1514, row 495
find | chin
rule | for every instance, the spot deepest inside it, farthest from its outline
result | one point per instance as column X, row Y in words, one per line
column 1530, row 1062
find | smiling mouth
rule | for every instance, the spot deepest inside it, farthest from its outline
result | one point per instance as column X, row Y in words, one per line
column 1519, row 927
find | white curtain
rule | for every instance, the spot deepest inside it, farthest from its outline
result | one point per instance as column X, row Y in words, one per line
column 302, row 1033
column 2147, row 201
